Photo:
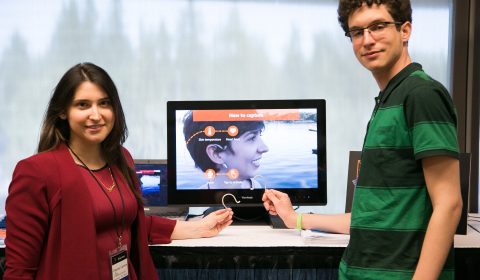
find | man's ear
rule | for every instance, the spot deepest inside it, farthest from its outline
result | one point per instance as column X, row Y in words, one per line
column 406, row 31
column 214, row 152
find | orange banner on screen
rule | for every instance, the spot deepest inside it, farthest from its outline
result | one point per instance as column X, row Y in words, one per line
column 246, row 115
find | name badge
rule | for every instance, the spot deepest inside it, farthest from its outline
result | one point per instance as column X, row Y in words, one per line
column 119, row 263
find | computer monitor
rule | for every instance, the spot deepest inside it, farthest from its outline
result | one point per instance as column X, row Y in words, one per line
column 220, row 152
column 152, row 175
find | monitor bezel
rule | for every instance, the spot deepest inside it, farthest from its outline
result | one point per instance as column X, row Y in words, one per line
column 152, row 161
column 298, row 196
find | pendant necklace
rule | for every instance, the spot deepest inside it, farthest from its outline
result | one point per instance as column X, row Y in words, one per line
column 109, row 188
column 112, row 186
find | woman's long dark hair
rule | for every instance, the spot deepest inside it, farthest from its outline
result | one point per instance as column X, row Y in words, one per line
column 56, row 130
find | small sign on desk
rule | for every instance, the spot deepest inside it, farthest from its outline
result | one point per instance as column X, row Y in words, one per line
column 317, row 236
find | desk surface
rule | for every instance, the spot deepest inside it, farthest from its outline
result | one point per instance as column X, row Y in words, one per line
column 267, row 253
column 265, row 236
column 255, row 236
column 243, row 251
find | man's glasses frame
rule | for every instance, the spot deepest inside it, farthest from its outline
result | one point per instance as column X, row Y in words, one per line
column 373, row 28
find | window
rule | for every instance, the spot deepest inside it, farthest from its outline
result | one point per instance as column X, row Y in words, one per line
column 179, row 50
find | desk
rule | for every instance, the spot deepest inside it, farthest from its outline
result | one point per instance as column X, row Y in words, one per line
column 248, row 252
column 467, row 250
column 260, row 252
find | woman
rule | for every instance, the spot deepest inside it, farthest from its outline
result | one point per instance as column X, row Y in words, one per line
column 74, row 209
column 231, row 162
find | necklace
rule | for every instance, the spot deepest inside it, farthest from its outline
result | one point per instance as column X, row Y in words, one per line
column 118, row 231
column 109, row 188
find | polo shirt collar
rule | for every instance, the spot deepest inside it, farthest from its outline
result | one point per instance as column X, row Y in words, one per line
column 397, row 79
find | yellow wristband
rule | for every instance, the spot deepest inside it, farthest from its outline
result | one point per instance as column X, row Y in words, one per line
column 299, row 221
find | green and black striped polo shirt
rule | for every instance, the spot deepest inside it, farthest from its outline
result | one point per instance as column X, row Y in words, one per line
column 414, row 118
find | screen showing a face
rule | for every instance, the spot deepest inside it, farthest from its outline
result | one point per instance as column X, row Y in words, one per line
column 246, row 149
column 153, row 182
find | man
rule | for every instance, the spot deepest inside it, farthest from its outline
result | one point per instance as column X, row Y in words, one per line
column 407, row 201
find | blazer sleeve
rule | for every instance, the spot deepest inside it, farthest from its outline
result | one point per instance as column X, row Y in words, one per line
column 159, row 229
column 27, row 209
column 128, row 157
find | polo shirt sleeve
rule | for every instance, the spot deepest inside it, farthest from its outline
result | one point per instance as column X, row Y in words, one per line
column 432, row 121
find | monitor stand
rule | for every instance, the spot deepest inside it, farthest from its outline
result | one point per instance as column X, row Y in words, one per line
column 251, row 215
column 179, row 212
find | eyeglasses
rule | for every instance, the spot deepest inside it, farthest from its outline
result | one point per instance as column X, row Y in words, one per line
column 375, row 29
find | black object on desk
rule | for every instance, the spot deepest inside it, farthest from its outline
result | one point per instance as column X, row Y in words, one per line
column 245, row 215
column 171, row 212
column 251, row 215
column 276, row 222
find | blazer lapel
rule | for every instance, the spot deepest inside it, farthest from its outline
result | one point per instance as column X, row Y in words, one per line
column 78, row 233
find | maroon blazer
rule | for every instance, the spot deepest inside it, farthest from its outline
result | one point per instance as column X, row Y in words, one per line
column 51, row 229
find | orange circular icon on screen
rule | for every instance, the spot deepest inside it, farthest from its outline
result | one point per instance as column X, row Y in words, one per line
column 232, row 130
column 209, row 131
column 232, row 174
column 210, row 174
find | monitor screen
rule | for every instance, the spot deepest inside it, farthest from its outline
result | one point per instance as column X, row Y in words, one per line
column 243, row 147
column 152, row 175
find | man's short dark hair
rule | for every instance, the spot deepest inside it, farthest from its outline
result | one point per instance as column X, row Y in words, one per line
column 400, row 10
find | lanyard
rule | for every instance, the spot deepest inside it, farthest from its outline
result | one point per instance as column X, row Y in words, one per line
column 117, row 231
